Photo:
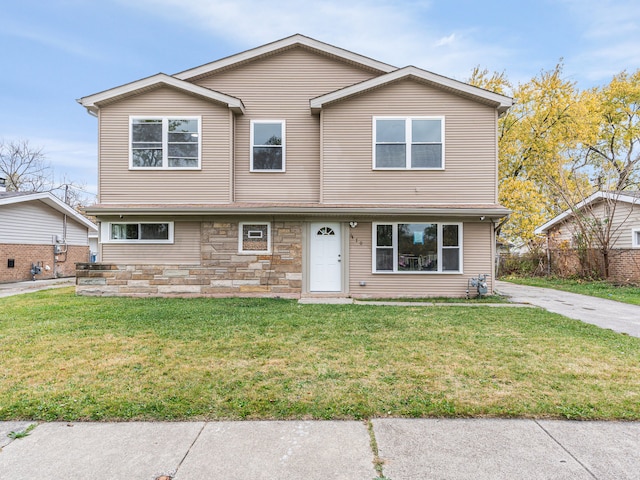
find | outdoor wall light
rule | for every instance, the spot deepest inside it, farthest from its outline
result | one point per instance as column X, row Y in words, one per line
column 353, row 224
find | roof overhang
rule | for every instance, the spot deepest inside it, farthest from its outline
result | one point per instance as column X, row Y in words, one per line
column 93, row 102
column 501, row 102
column 283, row 44
column 51, row 201
column 249, row 209
column 593, row 198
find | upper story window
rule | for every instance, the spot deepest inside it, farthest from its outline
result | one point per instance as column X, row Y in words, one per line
column 267, row 145
column 417, row 248
column 137, row 232
column 408, row 143
column 165, row 142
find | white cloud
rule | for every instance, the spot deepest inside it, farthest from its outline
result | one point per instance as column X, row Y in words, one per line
column 609, row 32
column 36, row 33
column 376, row 28
column 446, row 40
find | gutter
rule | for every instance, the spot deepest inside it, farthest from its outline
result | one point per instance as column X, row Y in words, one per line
column 493, row 212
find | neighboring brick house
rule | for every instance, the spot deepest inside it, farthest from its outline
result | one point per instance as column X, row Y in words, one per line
column 295, row 169
column 617, row 211
column 38, row 229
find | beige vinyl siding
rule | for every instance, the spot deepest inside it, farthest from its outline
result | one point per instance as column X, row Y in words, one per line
column 477, row 238
column 470, row 149
column 118, row 184
column 626, row 218
column 35, row 223
column 185, row 249
column 279, row 87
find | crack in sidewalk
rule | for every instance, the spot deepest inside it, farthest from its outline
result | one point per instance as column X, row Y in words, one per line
column 189, row 450
column 566, row 450
column 377, row 461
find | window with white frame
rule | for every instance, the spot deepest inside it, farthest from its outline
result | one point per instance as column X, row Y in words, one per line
column 408, row 143
column 254, row 238
column 137, row 232
column 165, row 142
column 417, row 247
column 635, row 242
column 267, row 146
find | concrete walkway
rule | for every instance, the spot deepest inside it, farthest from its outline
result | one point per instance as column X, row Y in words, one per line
column 16, row 288
column 321, row 450
column 617, row 316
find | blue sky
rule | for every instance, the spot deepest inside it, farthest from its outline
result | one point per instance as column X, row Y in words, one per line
column 54, row 52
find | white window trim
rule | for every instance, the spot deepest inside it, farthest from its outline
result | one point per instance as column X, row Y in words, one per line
column 283, row 124
column 635, row 237
column 395, row 271
column 254, row 252
column 408, row 141
column 105, row 233
column 165, row 141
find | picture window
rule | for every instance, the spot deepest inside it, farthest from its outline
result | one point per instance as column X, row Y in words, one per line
column 417, row 248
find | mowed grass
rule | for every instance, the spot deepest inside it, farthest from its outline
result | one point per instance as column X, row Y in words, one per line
column 64, row 357
column 595, row 288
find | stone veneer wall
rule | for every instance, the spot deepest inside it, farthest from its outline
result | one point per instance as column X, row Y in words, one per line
column 222, row 270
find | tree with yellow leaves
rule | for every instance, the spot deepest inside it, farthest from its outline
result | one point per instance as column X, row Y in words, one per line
column 558, row 145
column 536, row 138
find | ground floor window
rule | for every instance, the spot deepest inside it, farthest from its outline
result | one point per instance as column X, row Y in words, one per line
column 254, row 238
column 636, row 238
column 417, row 247
column 138, row 232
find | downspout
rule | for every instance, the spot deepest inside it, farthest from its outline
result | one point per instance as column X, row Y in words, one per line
column 232, row 157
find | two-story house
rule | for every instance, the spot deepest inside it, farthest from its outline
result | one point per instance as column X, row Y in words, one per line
column 296, row 168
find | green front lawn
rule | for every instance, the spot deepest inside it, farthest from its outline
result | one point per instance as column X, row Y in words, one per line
column 602, row 289
column 64, row 357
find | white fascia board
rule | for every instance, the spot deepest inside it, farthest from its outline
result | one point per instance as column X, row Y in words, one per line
column 502, row 102
column 53, row 202
column 91, row 102
column 280, row 44
column 542, row 230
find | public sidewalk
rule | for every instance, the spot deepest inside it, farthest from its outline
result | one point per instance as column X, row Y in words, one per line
column 321, row 450
column 617, row 316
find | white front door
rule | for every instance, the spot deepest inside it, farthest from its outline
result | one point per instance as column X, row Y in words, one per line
column 325, row 274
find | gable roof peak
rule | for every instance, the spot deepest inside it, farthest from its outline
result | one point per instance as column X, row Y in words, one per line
column 281, row 45
column 92, row 102
column 501, row 102
column 10, row 198
column 631, row 197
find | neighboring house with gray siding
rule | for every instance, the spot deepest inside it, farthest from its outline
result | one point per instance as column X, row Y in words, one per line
column 38, row 229
column 295, row 169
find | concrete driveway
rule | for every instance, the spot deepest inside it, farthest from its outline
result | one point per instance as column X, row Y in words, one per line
column 617, row 316
column 16, row 288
